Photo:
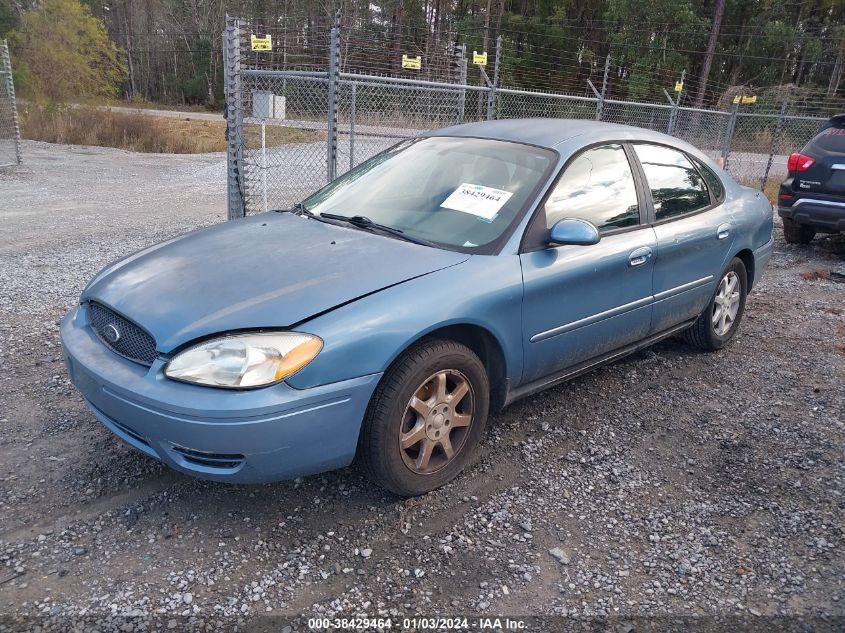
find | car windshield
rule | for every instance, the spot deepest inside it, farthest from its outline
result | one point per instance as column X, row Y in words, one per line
column 461, row 193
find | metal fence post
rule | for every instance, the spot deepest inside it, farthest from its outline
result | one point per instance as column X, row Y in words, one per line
column 10, row 95
column 352, row 125
column 331, row 141
column 491, row 95
column 600, row 97
column 671, row 125
column 462, row 80
column 233, row 85
column 729, row 135
column 775, row 138
column 673, row 115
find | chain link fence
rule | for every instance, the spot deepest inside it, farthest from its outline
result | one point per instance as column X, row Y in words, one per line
column 10, row 138
column 300, row 117
column 759, row 145
column 285, row 152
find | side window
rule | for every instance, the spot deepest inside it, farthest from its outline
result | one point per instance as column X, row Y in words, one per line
column 597, row 186
column 676, row 186
column 712, row 180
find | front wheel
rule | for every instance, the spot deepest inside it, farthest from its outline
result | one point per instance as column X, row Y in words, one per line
column 720, row 320
column 426, row 418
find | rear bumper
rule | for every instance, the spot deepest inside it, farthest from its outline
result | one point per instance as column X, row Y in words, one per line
column 824, row 215
column 238, row 436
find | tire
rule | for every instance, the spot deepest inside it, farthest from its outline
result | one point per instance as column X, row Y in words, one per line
column 795, row 233
column 704, row 333
column 391, row 416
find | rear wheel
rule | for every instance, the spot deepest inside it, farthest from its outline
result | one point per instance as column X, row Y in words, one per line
column 720, row 320
column 795, row 233
column 426, row 418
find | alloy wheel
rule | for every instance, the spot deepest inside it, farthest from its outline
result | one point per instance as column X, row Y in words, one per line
column 436, row 422
column 726, row 303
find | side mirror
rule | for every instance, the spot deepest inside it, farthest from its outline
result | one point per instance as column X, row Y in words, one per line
column 574, row 231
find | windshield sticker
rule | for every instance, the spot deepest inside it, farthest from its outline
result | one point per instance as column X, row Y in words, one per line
column 478, row 200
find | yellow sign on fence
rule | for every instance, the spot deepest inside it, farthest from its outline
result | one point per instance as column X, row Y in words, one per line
column 261, row 43
column 414, row 63
column 479, row 58
column 745, row 100
column 679, row 85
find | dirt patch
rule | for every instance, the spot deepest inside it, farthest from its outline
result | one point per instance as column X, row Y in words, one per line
column 815, row 275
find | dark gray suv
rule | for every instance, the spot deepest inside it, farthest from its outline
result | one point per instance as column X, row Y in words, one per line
column 812, row 198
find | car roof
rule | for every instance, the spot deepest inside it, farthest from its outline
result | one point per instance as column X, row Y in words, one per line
column 558, row 133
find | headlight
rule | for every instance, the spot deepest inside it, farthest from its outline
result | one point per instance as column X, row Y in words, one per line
column 245, row 360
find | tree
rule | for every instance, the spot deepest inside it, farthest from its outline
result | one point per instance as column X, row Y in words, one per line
column 63, row 52
column 651, row 55
column 8, row 17
column 708, row 56
column 174, row 55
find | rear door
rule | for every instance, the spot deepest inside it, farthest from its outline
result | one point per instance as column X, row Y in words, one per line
column 694, row 233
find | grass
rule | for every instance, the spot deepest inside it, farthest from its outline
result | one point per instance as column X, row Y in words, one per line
column 140, row 133
column 770, row 190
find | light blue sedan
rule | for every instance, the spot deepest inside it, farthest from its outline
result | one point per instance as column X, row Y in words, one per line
column 391, row 312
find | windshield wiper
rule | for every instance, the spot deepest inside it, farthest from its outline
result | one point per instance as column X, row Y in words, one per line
column 364, row 222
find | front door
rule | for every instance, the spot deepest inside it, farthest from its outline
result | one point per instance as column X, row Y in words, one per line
column 580, row 302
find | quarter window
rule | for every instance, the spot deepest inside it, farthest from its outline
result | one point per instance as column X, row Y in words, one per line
column 597, row 186
column 676, row 187
column 712, row 180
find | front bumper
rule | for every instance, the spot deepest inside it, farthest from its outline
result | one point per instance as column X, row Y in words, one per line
column 825, row 215
column 259, row 435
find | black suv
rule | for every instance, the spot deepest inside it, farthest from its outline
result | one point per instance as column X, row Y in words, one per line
column 812, row 198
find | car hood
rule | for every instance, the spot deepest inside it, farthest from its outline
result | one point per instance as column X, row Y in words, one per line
column 265, row 271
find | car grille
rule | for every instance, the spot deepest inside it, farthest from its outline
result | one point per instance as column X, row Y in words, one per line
column 132, row 342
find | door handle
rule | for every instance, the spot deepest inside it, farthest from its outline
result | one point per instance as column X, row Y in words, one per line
column 639, row 256
column 723, row 231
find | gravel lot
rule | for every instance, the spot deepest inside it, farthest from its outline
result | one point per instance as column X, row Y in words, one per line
column 673, row 484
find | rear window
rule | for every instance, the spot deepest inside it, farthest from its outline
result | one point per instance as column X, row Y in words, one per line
column 830, row 140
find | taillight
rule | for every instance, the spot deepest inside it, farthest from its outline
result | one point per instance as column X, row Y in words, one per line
column 799, row 162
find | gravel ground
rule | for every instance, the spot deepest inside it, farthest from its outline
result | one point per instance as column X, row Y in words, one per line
column 673, row 486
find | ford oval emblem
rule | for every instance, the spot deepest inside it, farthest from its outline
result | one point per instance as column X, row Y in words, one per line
column 111, row 333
